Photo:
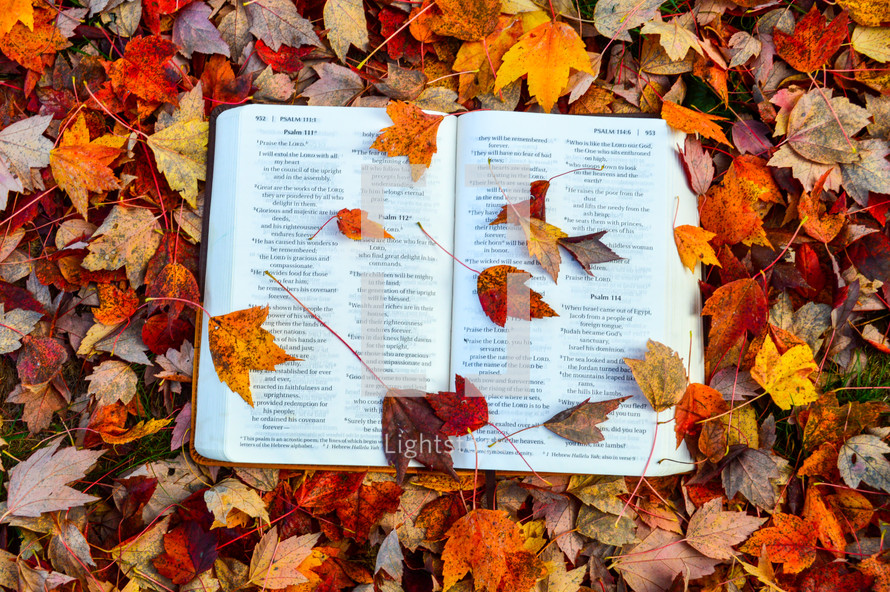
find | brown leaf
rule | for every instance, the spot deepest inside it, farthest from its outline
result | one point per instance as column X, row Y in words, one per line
column 578, row 423
column 589, row 250
column 239, row 344
column 820, row 127
column 660, row 375
column 653, row 564
column 411, row 431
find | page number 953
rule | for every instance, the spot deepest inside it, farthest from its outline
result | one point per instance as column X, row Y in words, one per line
column 650, row 132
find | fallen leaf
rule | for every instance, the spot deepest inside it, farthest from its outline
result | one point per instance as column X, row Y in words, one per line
column 80, row 166
column 870, row 173
column 660, row 375
column 363, row 507
column 699, row 165
column 390, row 558
column 286, row 59
column 486, row 543
column 38, row 484
column 813, row 42
column 188, row 552
column 542, row 242
column 788, row 541
column 750, row 473
column 693, row 122
column 820, row 127
column 146, row 69
column 355, row 224
column 116, row 305
column 653, row 564
column 413, row 134
column 346, row 24
column 276, row 565
column 546, row 54
column 873, row 42
column 174, row 281
column 193, row 31
column 699, row 402
column 786, row 377
column 12, row 12
column 140, row 430
column 411, row 431
column 479, row 61
column 692, row 245
column 14, row 325
column 239, row 344
column 463, row 411
column 112, row 381
column 588, row 249
column 180, row 151
column 231, row 494
column 502, row 294
column 278, row 22
column 135, row 557
column 25, row 147
column 736, row 308
column 578, row 423
column 614, row 19
column 713, row 531
column 336, row 85
column 825, row 522
column 861, row 458
column 40, row 401
column 29, row 46
column 128, row 237
column 743, row 46
column 468, row 20
column 676, row 39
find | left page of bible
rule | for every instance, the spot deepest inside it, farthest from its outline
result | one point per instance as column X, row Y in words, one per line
column 279, row 172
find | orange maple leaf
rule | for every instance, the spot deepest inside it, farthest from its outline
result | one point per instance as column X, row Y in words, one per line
column 813, row 42
column 546, row 54
column 29, row 45
column 146, row 69
column 13, row 11
column 789, row 541
column 413, row 134
column 239, row 344
column 489, row 544
column 819, row 225
column 736, row 308
column 80, row 165
column 115, row 304
column 354, row 224
column 693, row 122
column 734, row 210
column 692, row 245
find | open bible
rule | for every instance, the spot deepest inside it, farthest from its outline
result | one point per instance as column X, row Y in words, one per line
column 411, row 311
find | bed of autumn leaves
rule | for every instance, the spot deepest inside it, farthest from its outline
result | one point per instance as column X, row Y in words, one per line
column 103, row 109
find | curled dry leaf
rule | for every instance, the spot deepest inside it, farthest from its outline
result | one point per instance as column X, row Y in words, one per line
column 578, row 423
column 660, row 375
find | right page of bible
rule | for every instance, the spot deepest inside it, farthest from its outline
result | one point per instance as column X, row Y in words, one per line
column 529, row 371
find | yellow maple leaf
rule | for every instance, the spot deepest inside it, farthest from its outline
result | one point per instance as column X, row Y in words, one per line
column 546, row 54
column 541, row 239
column 181, row 152
column 785, row 377
column 80, row 166
column 693, row 246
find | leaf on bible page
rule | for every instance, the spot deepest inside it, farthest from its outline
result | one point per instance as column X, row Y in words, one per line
column 589, row 250
column 693, row 246
column 239, row 344
column 542, row 240
column 693, row 122
column 354, row 224
column 546, row 54
column 412, row 431
column 660, row 375
column 502, row 293
column 578, row 423
column 535, row 207
column 412, row 134
column 463, row 411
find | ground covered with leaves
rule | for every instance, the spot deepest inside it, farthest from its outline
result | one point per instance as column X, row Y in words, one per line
column 103, row 109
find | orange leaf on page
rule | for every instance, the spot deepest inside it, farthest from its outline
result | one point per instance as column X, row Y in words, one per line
column 692, row 245
column 813, row 42
column 413, row 134
column 693, row 122
column 546, row 54
column 502, row 296
column 239, row 344
column 354, row 224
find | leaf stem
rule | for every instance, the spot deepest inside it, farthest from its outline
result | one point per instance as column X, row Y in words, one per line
column 446, row 250
column 322, row 226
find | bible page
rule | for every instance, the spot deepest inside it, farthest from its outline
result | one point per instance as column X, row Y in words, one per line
column 279, row 174
column 531, row 370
